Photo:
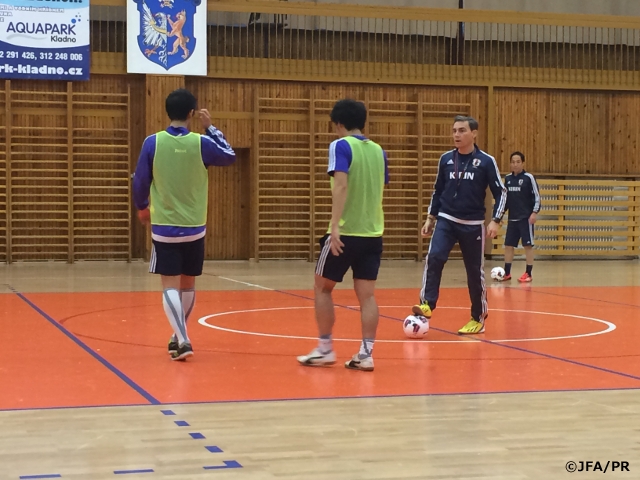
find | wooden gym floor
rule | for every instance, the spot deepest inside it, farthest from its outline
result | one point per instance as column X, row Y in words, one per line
column 89, row 391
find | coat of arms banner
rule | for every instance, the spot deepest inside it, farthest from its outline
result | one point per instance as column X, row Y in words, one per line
column 167, row 37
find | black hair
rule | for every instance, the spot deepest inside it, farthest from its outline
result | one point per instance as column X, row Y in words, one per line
column 473, row 123
column 350, row 113
column 520, row 154
column 180, row 103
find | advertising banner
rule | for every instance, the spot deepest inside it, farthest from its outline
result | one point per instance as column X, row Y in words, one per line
column 45, row 39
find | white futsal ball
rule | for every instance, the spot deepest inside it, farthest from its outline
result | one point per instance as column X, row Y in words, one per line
column 415, row 326
column 497, row 273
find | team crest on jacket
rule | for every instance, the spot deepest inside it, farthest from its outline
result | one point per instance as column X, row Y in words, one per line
column 521, row 181
column 476, row 162
column 166, row 30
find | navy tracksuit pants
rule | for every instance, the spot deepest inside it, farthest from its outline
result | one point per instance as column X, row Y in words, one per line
column 471, row 240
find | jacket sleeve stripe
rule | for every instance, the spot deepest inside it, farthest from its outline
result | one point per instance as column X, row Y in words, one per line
column 536, row 193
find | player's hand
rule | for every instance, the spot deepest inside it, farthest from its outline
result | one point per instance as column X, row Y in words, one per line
column 205, row 118
column 336, row 244
column 427, row 228
column 533, row 218
column 492, row 229
column 144, row 216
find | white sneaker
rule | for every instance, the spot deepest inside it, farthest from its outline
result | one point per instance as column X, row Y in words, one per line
column 356, row 363
column 317, row 359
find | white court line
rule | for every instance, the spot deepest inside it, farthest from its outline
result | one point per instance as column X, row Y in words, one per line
column 610, row 327
column 246, row 283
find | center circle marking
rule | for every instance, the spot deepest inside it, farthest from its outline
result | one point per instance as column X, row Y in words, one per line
column 610, row 326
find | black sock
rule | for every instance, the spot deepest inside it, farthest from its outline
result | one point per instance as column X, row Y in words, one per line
column 507, row 269
column 529, row 268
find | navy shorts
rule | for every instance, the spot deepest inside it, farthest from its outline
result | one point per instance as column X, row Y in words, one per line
column 171, row 259
column 519, row 230
column 361, row 254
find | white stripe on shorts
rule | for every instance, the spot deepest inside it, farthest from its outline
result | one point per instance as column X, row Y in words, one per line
column 153, row 260
column 531, row 234
column 322, row 259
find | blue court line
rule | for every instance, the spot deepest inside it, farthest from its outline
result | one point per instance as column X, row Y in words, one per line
column 167, row 412
column 227, row 464
column 151, row 399
column 127, row 472
column 477, row 338
column 32, row 477
column 542, row 292
column 359, row 397
column 214, row 449
column 197, row 436
column 182, row 423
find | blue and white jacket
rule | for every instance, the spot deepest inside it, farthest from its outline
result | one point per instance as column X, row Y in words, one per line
column 523, row 196
column 461, row 185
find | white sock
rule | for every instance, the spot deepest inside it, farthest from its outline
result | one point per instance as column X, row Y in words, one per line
column 325, row 344
column 173, row 309
column 366, row 348
column 188, row 299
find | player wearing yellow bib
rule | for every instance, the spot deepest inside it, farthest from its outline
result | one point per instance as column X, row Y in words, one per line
column 359, row 171
column 172, row 171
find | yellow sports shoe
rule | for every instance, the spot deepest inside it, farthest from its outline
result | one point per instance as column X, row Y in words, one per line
column 423, row 310
column 472, row 328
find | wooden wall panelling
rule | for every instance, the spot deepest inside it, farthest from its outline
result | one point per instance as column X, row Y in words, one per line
column 71, row 168
column 312, row 170
column 254, row 178
column 393, row 125
column 228, row 218
column 228, row 223
column 569, row 132
column 137, row 134
column 545, row 124
column 39, row 187
column 284, row 171
column 68, row 185
column 323, row 137
column 284, row 178
column 624, row 133
column 101, row 143
column 5, row 172
column 230, row 104
column 422, row 197
column 158, row 87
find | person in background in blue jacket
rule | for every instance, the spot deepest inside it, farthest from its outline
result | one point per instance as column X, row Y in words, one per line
column 457, row 214
column 523, row 205
column 170, row 190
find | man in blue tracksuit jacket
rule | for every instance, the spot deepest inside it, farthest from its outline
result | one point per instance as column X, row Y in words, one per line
column 457, row 214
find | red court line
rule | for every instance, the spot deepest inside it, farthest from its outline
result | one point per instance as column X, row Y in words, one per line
column 44, row 368
column 230, row 366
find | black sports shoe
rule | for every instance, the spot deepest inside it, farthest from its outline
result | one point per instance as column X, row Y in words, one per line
column 173, row 346
column 183, row 352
